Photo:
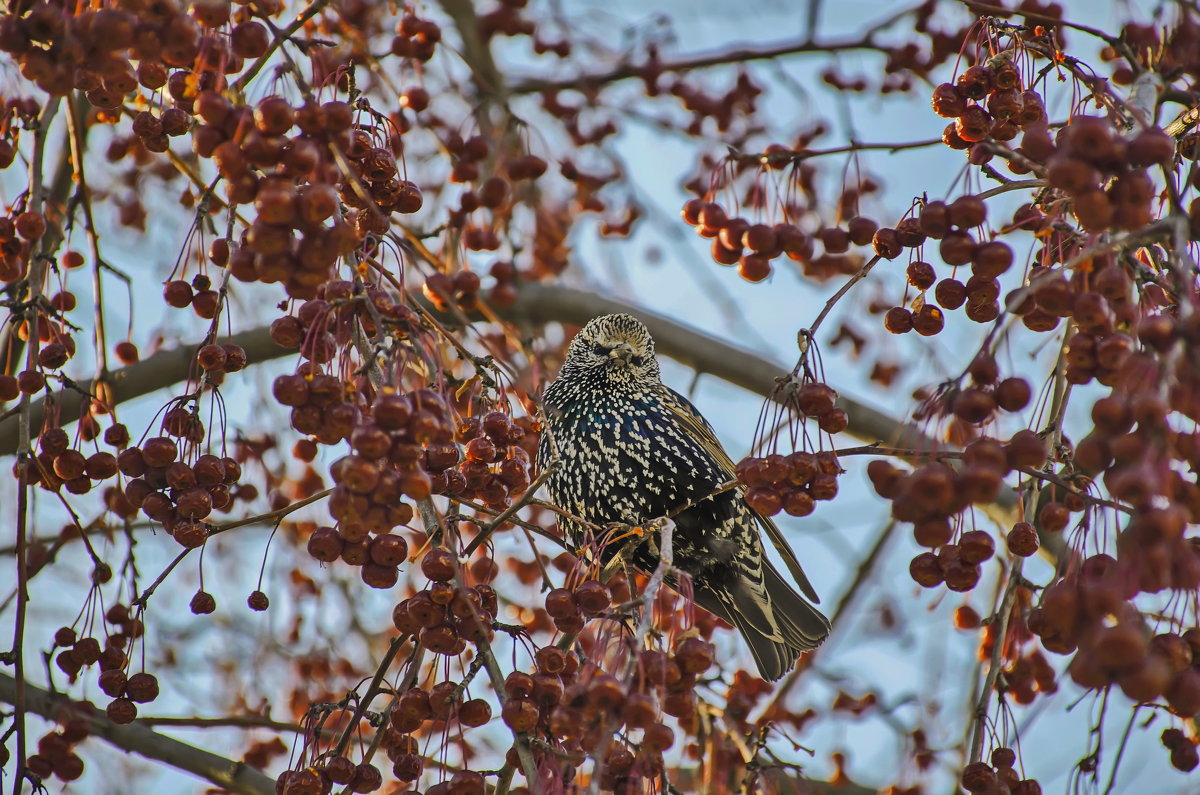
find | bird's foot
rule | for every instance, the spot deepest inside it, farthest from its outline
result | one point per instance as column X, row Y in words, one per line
column 619, row 532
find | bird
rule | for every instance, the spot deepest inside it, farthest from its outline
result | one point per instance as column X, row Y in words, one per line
column 628, row 450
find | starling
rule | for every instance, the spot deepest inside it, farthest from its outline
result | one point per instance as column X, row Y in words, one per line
column 631, row 450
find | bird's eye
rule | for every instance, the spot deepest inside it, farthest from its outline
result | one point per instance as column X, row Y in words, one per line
column 599, row 350
column 636, row 361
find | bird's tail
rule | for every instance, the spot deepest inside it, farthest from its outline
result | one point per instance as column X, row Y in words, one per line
column 777, row 623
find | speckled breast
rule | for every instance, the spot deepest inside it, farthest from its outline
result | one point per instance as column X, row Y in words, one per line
column 629, row 461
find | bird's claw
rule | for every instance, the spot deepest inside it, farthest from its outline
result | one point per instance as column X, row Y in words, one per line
column 625, row 531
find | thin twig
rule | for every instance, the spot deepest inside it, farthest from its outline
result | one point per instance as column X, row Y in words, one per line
column 1112, row 776
column 372, row 690
column 916, row 455
column 776, row 159
column 1003, row 613
column 273, row 516
column 481, row 508
column 231, row 721
column 504, row 516
column 141, row 599
column 37, row 274
column 1113, row 41
column 270, row 516
column 666, row 557
column 280, row 37
column 532, row 85
column 845, row 288
column 1016, row 184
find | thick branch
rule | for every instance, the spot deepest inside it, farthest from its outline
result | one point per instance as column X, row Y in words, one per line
column 779, row 779
column 536, row 303
column 137, row 738
column 476, row 51
column 159, row 371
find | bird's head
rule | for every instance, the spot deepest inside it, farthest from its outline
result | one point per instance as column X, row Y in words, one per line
column 617, row 346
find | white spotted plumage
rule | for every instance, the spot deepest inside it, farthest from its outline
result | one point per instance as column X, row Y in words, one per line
column 631, row 450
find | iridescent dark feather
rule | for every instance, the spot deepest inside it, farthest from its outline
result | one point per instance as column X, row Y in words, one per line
column 631, row 449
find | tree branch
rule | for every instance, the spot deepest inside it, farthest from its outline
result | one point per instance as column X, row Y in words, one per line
column 139, row 739
column 159, row 371
column 702, row 352
column 624, row 71
column 536, row 303
column 476, row 51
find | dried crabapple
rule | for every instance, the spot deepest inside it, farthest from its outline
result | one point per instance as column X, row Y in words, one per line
column 948, row 100
column 560, row 603
column 142, row 687
column 926, row 570
column 920, row 275
column 439, row 565
column 592, row 597
column 975, row 546
column 1022, row 539
column 950, row 293
column 121, row 711
column 520, row 714
column 928, row 321
column 203, row 603
column 325, row 544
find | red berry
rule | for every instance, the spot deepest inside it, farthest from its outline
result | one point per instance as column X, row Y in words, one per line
column 258, row 601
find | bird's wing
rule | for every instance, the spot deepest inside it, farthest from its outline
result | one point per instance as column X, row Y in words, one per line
column 698, row 428
column 789, row 557
column 691, row 419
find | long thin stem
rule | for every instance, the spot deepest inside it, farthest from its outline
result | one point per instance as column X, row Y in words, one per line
column 37, row 271
column 281, row 36
column 372, row 690
column 1003, row 613
column 484, row 649
column 845, row 288
column 666, row 559
column 505, row 515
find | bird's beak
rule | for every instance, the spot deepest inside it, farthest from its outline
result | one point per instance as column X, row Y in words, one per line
column 621, row 354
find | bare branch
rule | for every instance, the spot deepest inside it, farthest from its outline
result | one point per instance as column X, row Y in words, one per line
column 374, row 689
column 508, row 512
column 231, row 721
column 475, row 50
column 536, row 303
column 141, row 740
column 533, row 85
column 159, row 371
column 281, row 36
column 1003, row 613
